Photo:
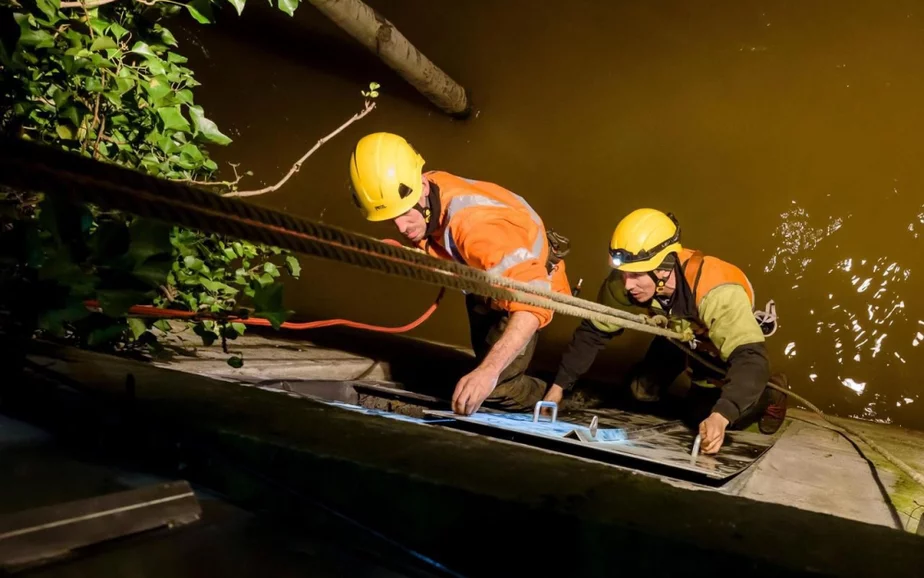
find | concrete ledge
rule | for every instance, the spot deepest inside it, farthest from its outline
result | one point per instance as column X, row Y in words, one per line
column 454, row 496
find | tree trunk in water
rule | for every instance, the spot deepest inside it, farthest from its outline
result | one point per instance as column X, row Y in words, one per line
column 381, row 37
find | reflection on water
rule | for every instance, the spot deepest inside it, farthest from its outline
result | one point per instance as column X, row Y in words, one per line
column 864, row 315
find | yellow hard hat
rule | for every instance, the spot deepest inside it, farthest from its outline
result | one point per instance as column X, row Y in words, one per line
column 643, row 239
column 386, row 174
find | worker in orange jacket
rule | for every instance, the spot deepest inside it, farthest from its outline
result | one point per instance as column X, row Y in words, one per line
column 481, row 225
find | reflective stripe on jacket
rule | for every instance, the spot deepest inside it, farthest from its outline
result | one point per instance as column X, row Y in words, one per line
column 490, row 228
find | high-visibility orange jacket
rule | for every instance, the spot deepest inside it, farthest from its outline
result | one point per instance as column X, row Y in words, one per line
column 490, row 228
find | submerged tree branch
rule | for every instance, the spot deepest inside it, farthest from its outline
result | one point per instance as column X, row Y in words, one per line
column 298, row 164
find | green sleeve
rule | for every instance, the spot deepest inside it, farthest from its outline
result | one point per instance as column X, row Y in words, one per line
column 728, row 315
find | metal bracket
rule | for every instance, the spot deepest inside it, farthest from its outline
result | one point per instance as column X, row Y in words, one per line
column 593, row 427
column 540, row 405
column 695, row 452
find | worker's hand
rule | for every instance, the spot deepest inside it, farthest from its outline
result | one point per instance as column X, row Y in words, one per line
column 554, row 394
column 712, row 432
column 472, row 390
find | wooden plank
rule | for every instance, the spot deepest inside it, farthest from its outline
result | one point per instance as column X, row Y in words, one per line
column 49, row 531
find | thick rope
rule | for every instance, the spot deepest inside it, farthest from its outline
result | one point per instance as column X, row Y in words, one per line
column 28, row 166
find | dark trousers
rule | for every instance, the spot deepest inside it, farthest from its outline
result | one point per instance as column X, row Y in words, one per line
column 666, row 365
column 515, row 390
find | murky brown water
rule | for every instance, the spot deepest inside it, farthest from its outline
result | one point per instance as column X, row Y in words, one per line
column 784, row 135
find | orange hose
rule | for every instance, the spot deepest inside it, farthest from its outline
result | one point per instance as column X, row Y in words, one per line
column 151, row 311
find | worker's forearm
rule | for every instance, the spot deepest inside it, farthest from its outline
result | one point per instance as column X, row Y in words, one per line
column 748, row 374
column 521, row 327
column 580, row 354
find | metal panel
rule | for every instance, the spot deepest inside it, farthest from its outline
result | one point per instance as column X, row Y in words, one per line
column 638, row 440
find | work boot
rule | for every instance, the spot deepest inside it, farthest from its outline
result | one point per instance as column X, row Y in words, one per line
column 774, row 406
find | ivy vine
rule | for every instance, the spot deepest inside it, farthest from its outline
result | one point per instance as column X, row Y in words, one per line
column 105, row 79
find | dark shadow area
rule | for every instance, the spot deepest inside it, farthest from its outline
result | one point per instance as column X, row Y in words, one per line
column 308, row 39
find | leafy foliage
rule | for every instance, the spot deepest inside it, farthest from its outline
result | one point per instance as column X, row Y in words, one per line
column 108, row 82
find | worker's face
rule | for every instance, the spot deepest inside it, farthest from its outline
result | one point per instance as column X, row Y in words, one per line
column 641, row 286
column 412, row 223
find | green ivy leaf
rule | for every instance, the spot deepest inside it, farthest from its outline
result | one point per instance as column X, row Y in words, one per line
column 65, row 131
column 103, row 43
column 93, row 84
column 99, row 26
column 292, row 264
column 288, row 6
column 191, row 152
column 168, row 145
column 70, row 113
column 143, row 49
column 198, row 9
column 50, row 9
column 206, row 128
column 167, row 37
column 236, row 362
column 99, row 61
column 172, row 118
column 239, row 328
column 156, row 66
column 268, row 301
column 217, row 287
column 36, row 39
column 62, row 98
column 208, row 336
column 184, row 96
column 117, row 30
column 193, row 263
column 163, row 325
column 158, row 89
column 123, row 85
column 238, row 5
column 175, row 58
column 271, row 269
column 136, row 326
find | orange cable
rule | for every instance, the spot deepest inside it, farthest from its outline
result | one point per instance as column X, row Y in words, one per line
column 151, row 311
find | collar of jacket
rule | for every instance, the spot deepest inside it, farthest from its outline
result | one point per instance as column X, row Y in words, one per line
column 435, row 206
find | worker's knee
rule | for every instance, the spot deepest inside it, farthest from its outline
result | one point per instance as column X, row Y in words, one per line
column 644, row 389
column 518, row 394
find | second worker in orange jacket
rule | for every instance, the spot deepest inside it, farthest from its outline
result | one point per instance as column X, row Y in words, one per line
column 481, row 225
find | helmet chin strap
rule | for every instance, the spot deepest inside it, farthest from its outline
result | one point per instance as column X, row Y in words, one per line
column 660, row 284
column 427, row 213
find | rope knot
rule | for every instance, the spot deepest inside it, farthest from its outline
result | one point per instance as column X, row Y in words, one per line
column 657, row 320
